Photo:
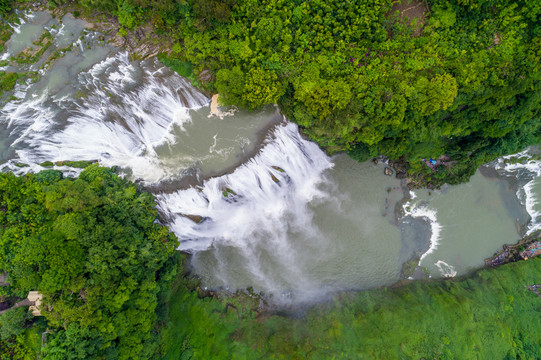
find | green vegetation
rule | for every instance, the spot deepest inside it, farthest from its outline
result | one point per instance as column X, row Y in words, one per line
column 31, row 55
column 81, row 164
column 13, row 322
column 461, row 80
column 181, row 67
column 408, row 80
column 5, row 6
column 92, row 248
column 7, row 81
column 490, row 315
column 20, row 334
column 47, row 164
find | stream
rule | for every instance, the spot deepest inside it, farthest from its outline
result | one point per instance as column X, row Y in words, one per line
column 255, row 203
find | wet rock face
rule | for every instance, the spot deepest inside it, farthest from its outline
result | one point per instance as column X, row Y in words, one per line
column 388, row 171
column 400, row 169
column 400, row 174
column 195, row 218
column 206, row 76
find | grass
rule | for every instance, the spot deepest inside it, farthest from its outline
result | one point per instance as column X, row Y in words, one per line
column 489, row 315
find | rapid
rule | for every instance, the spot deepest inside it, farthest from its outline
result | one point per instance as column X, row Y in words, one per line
column 255, row 203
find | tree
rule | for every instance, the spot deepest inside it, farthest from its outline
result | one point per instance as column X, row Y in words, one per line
column 261, row 87
column 12, row 322
column 91, row 246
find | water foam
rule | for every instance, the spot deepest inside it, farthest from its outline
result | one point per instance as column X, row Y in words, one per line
column 445, row 269
column 125, row 114
column 528, row 169
column 421, row 210
column 256, row 210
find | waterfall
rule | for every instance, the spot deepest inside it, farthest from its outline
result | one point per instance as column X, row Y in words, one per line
column 526, row 168
column 260, row 214
column 120, row 114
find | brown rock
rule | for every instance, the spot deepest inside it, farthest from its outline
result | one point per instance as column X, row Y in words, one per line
column 388, row 171
column 401, row 175
column 195, row 218
column 205, row 76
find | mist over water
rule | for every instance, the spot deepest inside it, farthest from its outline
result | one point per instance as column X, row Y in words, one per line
column 272, row 211
column 288, row 223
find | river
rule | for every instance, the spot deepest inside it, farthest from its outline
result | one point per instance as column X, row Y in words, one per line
column 255, row 203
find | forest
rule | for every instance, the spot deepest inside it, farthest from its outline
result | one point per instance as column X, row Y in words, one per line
column 93, row 248
column 460, row 79
column 453, row 80
column 115, row 288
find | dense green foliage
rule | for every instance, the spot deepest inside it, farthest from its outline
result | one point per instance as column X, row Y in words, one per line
column 408, row 80
column 12, row 322
column 91, row 246
column 356, row 77
column 491, row 315
column 20, row 335
column 461, row 80
column 5, row 6
column 7, row 81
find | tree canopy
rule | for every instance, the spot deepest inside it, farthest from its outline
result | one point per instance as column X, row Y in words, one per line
column 406, row 79
column 92, row 247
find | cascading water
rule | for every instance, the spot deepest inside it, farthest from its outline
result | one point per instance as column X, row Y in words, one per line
column 256, row 213
column 138, row 115
column 280, row 222
column 255, row 198
column 285, row 219
column 122, row 118
column 525, row 169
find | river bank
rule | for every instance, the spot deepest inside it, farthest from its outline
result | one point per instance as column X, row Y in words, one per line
column 487, row 314
column 526, row 248
column 290, row 215
column 142, row 43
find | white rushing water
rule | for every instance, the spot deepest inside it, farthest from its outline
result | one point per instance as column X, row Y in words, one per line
column 421, row 210
column 121, row 120
column 286, row 219
column 262, row 195
column 291, row 222
column 99, row 105
column 527, row 170
column 258, row 205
